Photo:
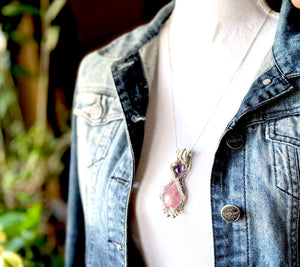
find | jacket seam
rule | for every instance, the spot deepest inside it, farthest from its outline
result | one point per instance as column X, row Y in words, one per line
column 245, row 212
column 261, row 121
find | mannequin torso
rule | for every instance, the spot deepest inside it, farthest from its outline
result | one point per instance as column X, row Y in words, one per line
column 216, row 48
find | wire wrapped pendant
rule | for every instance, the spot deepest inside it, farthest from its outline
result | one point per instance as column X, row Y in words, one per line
column 174, row 193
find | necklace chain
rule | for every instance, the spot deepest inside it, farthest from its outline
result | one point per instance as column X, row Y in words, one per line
column 174, row 193
column 220, row 99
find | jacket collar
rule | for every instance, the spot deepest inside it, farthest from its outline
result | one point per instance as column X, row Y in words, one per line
column 132, row 72
column 283, row 66
column 286, row 47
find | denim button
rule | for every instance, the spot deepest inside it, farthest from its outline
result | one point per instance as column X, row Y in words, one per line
column 230, row 213
column 267, row 81
column 96, row 111
column 235, row 141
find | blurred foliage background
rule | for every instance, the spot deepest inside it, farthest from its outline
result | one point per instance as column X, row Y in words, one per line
column 30, row 153
column 41, row 45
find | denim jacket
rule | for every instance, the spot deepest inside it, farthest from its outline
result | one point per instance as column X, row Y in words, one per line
column 256, row 168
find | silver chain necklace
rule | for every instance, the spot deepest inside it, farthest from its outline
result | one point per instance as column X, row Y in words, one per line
column 174, row 193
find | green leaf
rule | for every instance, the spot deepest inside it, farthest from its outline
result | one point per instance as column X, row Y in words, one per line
column 22, row 72
column 13, row 223
column 33, row 217
column 54, row 9
column 19, row 37
column 33, row 159
column 28, row 235
column 24, row 197
column 52, row 36
column 9, row 178
column 6, row 99
column 10, row 222
column 15, row 244
column 16, row 8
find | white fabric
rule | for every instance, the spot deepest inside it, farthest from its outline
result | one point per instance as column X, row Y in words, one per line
column 205, row 59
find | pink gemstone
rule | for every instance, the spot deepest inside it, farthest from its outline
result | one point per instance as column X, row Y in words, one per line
column 172, row 196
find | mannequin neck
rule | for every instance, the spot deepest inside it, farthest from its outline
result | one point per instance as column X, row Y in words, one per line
column 189, row 15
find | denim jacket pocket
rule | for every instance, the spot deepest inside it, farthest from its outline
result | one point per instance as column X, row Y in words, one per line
column 285, row 136
column 98, row 117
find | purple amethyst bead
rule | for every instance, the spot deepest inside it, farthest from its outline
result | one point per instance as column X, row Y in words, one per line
column 178, row 169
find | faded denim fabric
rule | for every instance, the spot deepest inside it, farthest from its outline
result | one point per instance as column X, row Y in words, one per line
column 261, row 177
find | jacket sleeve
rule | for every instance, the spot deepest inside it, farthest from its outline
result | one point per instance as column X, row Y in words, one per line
column 75, row 236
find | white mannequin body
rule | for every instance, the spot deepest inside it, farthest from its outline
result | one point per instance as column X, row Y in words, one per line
column 216, row 49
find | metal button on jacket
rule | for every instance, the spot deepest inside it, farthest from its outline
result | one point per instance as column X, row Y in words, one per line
column 235, row 141
column 231, row 213
column 267, row 81
column 96, row 111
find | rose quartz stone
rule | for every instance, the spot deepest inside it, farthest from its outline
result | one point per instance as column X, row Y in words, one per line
column 172, row 196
